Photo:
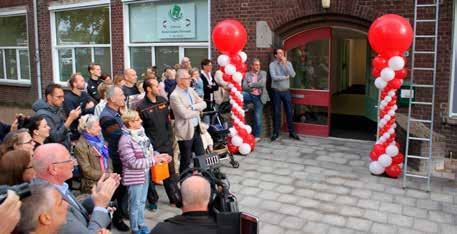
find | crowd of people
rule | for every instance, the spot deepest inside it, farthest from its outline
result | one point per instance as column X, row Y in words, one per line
column 101, row 136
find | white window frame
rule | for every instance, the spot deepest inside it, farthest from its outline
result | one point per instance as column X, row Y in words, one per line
column 453, row 92
column 181, row 45
column 55, row 53
column 3, row 78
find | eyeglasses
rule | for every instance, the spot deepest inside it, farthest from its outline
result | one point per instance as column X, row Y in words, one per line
column 27, row 142
column 59, row 97
column 72, row 160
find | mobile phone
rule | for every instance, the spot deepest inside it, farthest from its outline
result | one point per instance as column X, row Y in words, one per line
column 81, row 105
column 249, row 224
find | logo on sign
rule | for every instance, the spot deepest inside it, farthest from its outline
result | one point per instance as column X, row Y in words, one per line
column 175, row 13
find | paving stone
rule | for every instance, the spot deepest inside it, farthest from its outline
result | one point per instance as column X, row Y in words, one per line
column 383, row 228
column 425, row 225
column 385, row 197
column 285, row 189
column 440, row 217
column 270, row 205
column 351, row 211
column 417, row 194
column 339, row 190
column 314, row 227
column 311, row 215
column 357, row 163
column 409, row 231
column 376, row 216
column 329, row 208
column 267, row 185
column 308, row 203
column 325, row 196
column 369, row 204
column 335, row 180
column 362, row 193
column 305, row 192
column 339, row 230
column 400, row 220
column 440, row 197
column 287, row 198
column 250, row 201
column 336, row 220
column 290, row 209
column 428, row 204
column 375, row 187
column 354, row 184
column 390, row 207
column 359, row 224
column 395, row 191
column 407, row 201
column 272, row 217
column 292, row 223
column 250, row 190
column 250, row 182
column 449, row 208
column 271, row 229
column 448, row 229
column 269, row 195
column 346, row 200
column 414, row 212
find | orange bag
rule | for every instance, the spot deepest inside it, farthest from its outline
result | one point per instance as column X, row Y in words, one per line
column 159, row 172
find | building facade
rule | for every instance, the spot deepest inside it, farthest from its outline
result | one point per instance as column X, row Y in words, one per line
column 327, row 45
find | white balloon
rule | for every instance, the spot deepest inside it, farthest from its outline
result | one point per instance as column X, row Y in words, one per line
column 391, row 131
column 387, row 74
column 391, row 93
column 388, row 99
column 230, row 69
column 245, row 149
column 396, row 63
column 385, row 160
column 233, row 89
column 233, row 131
column 237, row 77
column 230, row 86
column 243, row 56
column 376, row 168
column 391, row 113
column 223, row 60
column 387, row 117
column 248, row 129
column 380, row 83
column 392, row 150
column 237, row 141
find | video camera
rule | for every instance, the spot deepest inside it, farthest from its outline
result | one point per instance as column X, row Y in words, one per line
column 22, row 190
column 223, row 204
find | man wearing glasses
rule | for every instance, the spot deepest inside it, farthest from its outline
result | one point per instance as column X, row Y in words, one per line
column 53, row 164
column 51, row 109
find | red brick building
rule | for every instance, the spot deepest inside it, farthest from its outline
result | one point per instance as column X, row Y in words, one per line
column 327, row 45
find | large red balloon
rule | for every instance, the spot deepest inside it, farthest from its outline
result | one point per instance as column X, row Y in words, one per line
column 398, row 159
column 378, row 149
column 229, row 36
column 379, row 62
column 390, row 35
column 401, row 74
column 393, row 170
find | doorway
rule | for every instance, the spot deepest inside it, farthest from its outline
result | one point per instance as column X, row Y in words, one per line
column 333, row 93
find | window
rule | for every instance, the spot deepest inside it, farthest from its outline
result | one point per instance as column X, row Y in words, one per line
column 14, row 51
column 162, row 32
column 80, row 37
column 453, row 83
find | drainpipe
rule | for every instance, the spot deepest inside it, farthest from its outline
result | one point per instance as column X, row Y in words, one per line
column 37, row 49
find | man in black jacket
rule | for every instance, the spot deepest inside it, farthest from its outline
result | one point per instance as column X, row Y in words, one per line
column 94, row 80
column 76, row 97
column 154, row 111
column 195, row 219
column 209, row 86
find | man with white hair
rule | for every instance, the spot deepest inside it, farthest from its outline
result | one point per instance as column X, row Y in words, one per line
column 53, row 164
column 195, row 219
column 186, row 106
column 185, row 64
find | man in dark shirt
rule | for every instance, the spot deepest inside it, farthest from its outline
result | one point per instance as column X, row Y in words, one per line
column 154, row 111
column 195, row 219
column 77, row 97
column 95, row 72
column 129, row 88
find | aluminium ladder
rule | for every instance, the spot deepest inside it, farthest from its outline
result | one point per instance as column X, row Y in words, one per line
column 414, row 105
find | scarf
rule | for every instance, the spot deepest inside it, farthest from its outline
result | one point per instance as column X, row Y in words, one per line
column 99, row 146
column 139, row 136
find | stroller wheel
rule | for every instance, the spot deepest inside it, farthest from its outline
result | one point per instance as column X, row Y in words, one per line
column 235, row 164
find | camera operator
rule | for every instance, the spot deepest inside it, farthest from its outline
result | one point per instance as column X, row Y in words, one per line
column 10, row 212
column 195, row 192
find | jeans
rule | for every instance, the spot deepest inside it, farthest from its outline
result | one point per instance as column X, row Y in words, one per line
column 286, row 99
column 258, row 111
column 194, row 145
column 137, row 199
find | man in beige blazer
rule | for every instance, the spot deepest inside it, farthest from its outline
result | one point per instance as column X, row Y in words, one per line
column 186, row 106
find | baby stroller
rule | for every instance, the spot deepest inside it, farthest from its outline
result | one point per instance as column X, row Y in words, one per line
column 218, row 132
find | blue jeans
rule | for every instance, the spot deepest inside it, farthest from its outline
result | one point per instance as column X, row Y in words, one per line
column 286, row 100
column 258, row 111
column 137, row 200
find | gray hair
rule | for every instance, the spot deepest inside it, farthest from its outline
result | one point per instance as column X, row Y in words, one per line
column 195, row 190
column 180, row 73
column 255, row 60
column 32, row 207
column 194, row 69
column 110, row 92
column 86, row 122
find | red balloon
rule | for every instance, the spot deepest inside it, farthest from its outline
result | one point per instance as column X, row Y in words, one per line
column 379, row 62
column 395, row 83
column 401, row 74
column 222, row 69
column 374, row 156
column 378, row 149
column 226, row 77
column 235, row 60
column 390, row 35
column 398, row 159
column 229, row 36
column 375, row 72
column 393, row 170
column 242, row 67
column 232, row 148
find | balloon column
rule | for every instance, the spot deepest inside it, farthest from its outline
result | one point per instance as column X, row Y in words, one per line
column 229, row 37
column 390, row 36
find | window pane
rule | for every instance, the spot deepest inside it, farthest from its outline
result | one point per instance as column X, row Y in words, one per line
column 2, row 70
column 65, row 63
column 14, row 31
column 25, row 66
column 102, row 56
column 140, row 58
column 83, row 58
column 83, row 26
column 166, row 56
column 196, row 55
column 11, row 64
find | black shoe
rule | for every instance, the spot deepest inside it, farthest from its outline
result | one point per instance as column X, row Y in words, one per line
column 121, row 226
column 274, row 137
column 294, row 135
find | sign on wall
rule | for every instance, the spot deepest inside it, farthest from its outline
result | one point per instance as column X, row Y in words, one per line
column 176, row 20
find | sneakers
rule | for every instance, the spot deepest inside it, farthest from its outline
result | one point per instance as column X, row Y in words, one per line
column 151, row 207
column 121, row 226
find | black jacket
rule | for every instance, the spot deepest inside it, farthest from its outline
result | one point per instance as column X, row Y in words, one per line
column 208, row 90
column 190, row 223
column 72, row 101
column 4, row 129
column 156, row 123
column 92, row 90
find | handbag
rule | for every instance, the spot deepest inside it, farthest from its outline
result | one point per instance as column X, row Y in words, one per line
column 159, row 172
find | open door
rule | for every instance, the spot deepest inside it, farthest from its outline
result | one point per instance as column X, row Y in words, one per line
column 309, row 53
column 371, row 92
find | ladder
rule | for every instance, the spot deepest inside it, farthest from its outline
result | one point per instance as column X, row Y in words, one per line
column 421, row 85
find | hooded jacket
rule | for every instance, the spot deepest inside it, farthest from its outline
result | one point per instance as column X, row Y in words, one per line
column 55, row 117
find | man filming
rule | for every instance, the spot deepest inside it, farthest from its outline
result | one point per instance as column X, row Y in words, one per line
column 195, row 219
